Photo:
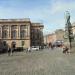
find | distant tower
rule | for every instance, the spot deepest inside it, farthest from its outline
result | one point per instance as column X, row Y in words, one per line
column 68, row 30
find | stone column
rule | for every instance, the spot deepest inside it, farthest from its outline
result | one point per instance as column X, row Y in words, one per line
column 1, row 31
column 19, row 31
column 28, row 31
column 10, row 31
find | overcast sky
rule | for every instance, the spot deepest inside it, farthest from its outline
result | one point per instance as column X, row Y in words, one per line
column 49, row 12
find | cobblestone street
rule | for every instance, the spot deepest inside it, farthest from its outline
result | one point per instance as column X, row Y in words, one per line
column 45, row 62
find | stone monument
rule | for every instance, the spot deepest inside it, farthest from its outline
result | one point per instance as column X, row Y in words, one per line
column 68, row 31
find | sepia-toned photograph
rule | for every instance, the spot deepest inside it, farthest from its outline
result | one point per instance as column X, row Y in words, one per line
column 37, row 37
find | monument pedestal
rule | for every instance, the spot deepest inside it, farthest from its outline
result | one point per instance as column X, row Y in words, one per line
column 67, row 43
column 68, row 39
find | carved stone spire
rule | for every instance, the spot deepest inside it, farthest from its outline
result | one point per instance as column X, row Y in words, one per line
column 68, row 29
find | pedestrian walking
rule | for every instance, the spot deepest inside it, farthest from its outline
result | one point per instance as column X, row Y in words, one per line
column 50, row 44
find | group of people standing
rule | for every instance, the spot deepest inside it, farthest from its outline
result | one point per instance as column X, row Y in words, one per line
column 50, row 45
column 64, row 47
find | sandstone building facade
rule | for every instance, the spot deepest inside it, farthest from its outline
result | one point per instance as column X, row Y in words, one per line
column 50, row 38
column 22, row 32
column 60, row 34
column 57, row 36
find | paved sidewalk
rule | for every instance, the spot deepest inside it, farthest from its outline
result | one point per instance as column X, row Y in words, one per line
column 46, row 62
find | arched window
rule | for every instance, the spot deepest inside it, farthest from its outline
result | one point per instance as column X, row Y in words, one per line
column 5, row 27
column 14, row 34
column 22, row 27
column 22, row 34
column 14, row 27
column 4, row 34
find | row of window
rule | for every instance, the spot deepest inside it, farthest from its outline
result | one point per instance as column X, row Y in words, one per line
column 14, row 27
column 36, row 33
column 14, row 34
